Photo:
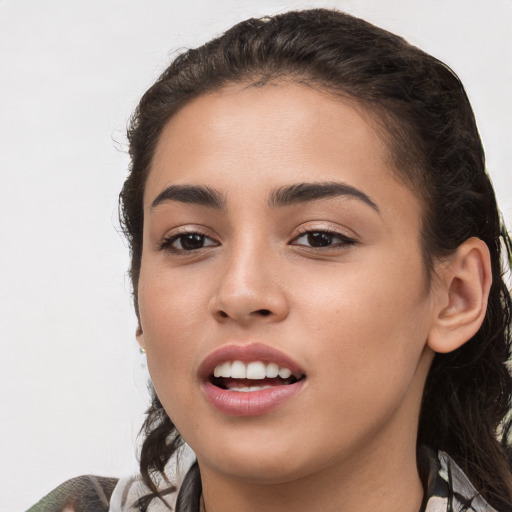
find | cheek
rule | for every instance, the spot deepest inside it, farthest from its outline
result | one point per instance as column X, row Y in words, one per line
column 369, row 322
column 366, row 350
column 169, row 304
column 169, row 312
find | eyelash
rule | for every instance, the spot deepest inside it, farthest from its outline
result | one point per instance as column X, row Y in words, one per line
column 167, row 243
column 344, row 241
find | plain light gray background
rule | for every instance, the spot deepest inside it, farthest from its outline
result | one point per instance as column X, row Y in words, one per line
column 73, row 384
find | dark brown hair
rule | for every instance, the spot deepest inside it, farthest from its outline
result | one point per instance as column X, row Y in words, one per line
column 424, row 114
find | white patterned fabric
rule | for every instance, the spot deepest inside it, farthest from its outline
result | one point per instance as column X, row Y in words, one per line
column 130, row 489
column 447, row 489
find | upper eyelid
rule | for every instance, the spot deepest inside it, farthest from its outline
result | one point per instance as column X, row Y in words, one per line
column 343, row 237
column 170, row 237
column 312, row 226
column 305, row 231
column 187, row 230
column 301, row 230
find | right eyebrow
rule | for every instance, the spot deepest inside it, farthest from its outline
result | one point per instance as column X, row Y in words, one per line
column 305, row 192
column 192, row 194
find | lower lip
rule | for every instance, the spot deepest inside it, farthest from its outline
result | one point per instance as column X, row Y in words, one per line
column 251, row 403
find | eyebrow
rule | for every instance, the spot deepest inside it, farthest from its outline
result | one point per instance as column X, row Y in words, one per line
column 305, row 192
column 283, row 196
column 192, row 194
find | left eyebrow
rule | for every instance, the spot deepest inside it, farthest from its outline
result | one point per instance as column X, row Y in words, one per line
column 192, row 194
column 305, row 192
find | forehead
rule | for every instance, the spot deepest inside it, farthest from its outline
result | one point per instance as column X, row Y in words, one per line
column 240, row 137
column 282, row 115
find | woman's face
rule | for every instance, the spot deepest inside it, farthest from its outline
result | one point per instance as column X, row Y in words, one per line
column 277, row 235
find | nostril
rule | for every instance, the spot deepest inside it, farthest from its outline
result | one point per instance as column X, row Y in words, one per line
column 263, row 312
column 223, row 314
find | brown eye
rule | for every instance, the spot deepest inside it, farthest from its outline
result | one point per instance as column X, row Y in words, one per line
column 190, row 242
column 187, row 242
column 323, row 239
column 319, row 239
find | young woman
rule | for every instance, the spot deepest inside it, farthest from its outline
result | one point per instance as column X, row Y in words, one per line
column 317, row 273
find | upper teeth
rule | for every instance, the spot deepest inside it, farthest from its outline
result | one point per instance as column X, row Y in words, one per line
column 254, row 370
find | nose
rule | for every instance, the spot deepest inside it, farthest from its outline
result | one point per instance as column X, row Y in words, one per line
column 248, row 291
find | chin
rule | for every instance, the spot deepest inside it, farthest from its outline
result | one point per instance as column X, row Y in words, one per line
column 260, row 457
column 262, row 470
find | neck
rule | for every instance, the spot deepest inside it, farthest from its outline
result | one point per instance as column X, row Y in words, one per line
column 375, row 481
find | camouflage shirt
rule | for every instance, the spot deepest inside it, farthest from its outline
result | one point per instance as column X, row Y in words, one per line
column 447, row 489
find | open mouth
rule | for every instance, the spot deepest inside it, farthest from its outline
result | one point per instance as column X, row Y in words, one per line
column 243, row 377
column 250, row 380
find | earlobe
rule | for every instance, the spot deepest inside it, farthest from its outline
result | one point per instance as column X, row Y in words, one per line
column 140, row 339
column 461, row 295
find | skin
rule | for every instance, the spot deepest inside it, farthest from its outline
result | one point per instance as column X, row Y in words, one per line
column 356, row 316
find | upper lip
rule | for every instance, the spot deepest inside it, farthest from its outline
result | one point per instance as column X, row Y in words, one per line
column 246, row 353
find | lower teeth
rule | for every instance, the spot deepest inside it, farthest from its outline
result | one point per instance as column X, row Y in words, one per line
column 226, row 383
column 248, row 390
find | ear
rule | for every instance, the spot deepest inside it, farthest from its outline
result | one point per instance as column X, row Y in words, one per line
column 140, row 337
column 461, row 291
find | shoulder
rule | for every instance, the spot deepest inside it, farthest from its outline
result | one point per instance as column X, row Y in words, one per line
column 87, row 493
column 446, row 485
column 90, row 493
